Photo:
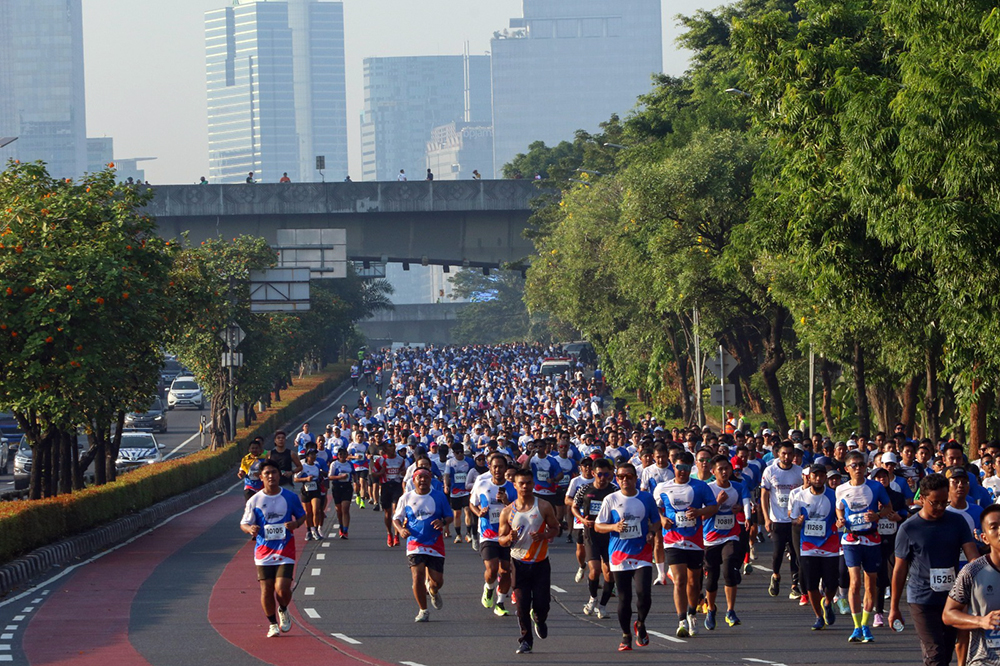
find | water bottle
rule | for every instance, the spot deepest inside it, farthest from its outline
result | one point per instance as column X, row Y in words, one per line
column 897, row 625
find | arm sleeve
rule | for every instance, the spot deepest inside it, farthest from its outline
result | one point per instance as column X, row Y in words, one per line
column 401, row 507
column 249, row 515
column 707, row 496
column 765, row 481
column 903, row 544
column 295, row 507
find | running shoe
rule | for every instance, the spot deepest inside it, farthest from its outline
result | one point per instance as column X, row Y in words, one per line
column 361, row 502
column 795, row 594
column 475, row 544
column 319, row 535
column 878, row 621
column 436, row 599
column 541, row 628
column 625, row 645
column 423, row 616
column 588, row 608
column 309, row 535
column 710, row 620
column 343, row 534
column 731, row 619
column 856, row 636
column 601, row 612
column 818, row 624
column 641, row 637
column 829, row 617
column 458, row 538
column 803, row 600
column 468, row 538
column 753, row 553
column 579, row 575
column 395, row 540
column 692, row 622
column 284, row 620
column 772, row 589
column 500, row 610
column 682, row 629
column 388, row 541
column 866, row 634
column 273, row 631
column 376, row 507
column 487, row 599
column 357, row 500
column 523, row 648
column 843, row 607
column 747, row 569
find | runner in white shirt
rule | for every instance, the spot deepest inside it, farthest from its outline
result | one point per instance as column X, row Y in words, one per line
column 660, row 471
column 776, row 486
column 576, row 531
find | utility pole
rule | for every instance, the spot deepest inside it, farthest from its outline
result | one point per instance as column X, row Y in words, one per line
column 812, row 391
column 722, row 367
column 697, row 367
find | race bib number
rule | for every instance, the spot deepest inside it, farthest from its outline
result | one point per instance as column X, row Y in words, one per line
column 992, row 638
column 942, row 579
column 887, row 526
column 782, row 499
column 460, row 478
column 274, row 532
column 543, row 475
column 682, row 521
column 495, row 510
column 814, row 528
column 725, row 522
column 631, row 531
column 309, row 486
column 595, row 507
column 859, row 522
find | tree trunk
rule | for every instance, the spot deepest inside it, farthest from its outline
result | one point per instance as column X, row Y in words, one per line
column 860, row 392
column 774, row 358
column 78, row 470
column 682, row 372
column 247, row 420
column 55, row 456
column 977, row 420
column 100, row 455
column 44, row 461
column 884, row 404
column 114, row 445
column 911, row 393
column 932, row 408
column 277, row 389
column 66, row 467
column 826, row 370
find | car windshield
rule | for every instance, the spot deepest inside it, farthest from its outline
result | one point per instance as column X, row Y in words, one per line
column 172, row 367
column 137, row 442
column 24, row 445
column 185, row 386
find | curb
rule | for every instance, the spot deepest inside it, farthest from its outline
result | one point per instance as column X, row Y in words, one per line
column 62, row 553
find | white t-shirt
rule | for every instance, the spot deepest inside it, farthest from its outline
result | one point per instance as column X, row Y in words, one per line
column 780, row 483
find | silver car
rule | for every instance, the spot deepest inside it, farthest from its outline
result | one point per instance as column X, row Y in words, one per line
column 137, row 450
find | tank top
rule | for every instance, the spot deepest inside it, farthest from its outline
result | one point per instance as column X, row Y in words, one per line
column 284, row 460
column 524, row 525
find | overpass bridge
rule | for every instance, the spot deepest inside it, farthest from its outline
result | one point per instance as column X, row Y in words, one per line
column 477, row 223
column 430, row 323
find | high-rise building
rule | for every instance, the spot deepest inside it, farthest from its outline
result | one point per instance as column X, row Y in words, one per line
column 42, row 100
column 456, row 150
column 277, row 92
column 569, row 65
column 406, row 98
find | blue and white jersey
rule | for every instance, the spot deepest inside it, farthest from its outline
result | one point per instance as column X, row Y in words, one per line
column 569, row 469
column 339, row 468
column 484, row 495
column 819, row 536
column 457, row 471
column 417, row 513
column 728, row 522
column 674, row 499
column 358, row 449
column 275, row 544
column 545, row 471
column 629, row 549
column 856, row 502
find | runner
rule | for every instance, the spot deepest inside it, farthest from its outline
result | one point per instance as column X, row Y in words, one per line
column 312, row 496
column 683, row 503
column 812, row 509
column 651, row 476
column 388, row 470
column 271, row 516
column 586, row 477
column 723, row 544
column 249, row 469
column 340, row 474
column 456, row 473
column 597, row 545
column 777, row 483
column 358, row 453
column 287, row 459
column 491, row 493
column 526, row 526
column 861, row 503
column 626, row 516
column 421, row 517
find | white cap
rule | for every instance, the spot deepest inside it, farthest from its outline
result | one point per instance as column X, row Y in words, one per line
column 851, row 444
column 767, row 431
column 889, row 457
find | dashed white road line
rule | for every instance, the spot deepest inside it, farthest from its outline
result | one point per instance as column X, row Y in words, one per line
column 315, row 572
column 410, row 663
column 6, row 657
column 10, row 627
column 310, row 591
column 326, row 544
column 28, row 609
column 321, row 556
column 5, row 647
column 666, row 637
column 36, row 601
column 346, row 639
column 311, row 612
column 6, row 637
column 18, row 618
column 557, row 589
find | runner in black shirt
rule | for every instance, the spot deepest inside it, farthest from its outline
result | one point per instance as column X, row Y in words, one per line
column 586, row 506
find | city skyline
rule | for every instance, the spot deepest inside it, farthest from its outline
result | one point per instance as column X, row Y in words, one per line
column 146, row 68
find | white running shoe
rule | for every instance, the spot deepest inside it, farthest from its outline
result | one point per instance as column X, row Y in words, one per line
column 436, row 599
column 692, row 622
column 588, row 608
column 284, row 620
column 423, row 616
column 602, row 613
column 273, row 631
column 579, row 575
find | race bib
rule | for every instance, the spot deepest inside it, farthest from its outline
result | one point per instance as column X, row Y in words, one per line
column 887, row 526
column 859, row 522
column 682, row 521
column 495, row 510
column 274, row 532
column 309, row 486
column 460, row 478
column 543, row 475
column 782, row 499
column 814, row 528
column 942, row 580
column 632, row 529
column 725, row 522
column 992, row 638
column 595, row 507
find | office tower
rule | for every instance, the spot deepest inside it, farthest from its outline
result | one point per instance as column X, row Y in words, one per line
column 42, row 100
column 569, row 65
column 406, row 98
column 277, row 95
column 457, row 149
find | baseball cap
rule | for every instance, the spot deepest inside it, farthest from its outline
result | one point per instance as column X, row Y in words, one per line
column 821, row 460
column 851, row 444
column 817, row 468
column 956, row 473
column 890, row 457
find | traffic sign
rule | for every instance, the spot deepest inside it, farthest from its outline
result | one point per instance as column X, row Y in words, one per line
column 716, row 399
column 232, row 335
column 232, row 360
column 730, row 364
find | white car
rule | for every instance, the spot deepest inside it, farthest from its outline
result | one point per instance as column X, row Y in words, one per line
column 137, row 449
column 185, row 391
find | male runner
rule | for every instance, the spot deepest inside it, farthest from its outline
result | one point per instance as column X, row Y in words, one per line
column 271, row 516
column 421, row 517
column 723, row 543
column 651, row 476
column 526, row 526
column 388, row 470
column 340, row 474
column 777, row 483
column 250, row 468
column 626, row 516
column 812, row 509
column 586, row 477
column 491, row 493
column 586, row 506
column 456, row 472
column 358, row 453
column 312, row 496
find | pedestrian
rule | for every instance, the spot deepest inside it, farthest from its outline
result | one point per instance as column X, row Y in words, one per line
column 250, row 179
column 284, row 178
column 271, row 516
column 347, row 179
column 476, row 175
column 430, row 175
column 402, row 176
column 204, row 181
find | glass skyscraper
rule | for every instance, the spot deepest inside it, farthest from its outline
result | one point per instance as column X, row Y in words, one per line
column 406, row 98
column 277, row 93
column 569, row 65
column 42, row 100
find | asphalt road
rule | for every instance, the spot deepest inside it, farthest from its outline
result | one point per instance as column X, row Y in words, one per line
column 186, row 593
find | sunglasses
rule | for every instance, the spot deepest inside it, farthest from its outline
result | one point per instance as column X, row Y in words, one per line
column 855, row 465
column 604, row 475
column 626, row 476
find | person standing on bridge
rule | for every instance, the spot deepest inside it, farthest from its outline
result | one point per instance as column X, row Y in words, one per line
column 271, row 517
column 476, row 175
column 285, row 178
column 402, row 176
column 430, row 175
column 250, row 179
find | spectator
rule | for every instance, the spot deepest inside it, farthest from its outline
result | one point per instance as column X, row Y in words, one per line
column 430, row 175
column 250, row 178
column 347, row 179
column 402, row 176
column 204, row 181
column 476, row 175
column 285, row 178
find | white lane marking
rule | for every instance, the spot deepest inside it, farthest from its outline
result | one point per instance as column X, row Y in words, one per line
column 321, row 556
column 764, row 569
column 6, row 637
column 37, row 601
column 10, row 627
column 326, row 544
column 18, row 618
column 5, row 648
column 311, row 612
column 557, row 589
column 410, row 663
column 28, row 609
column 6, row 657
column 181, row 445
column 763, row 661
column 335, row 526
column 45, row 592
column 315, row 572
column 310, row 591
column 666, row 637
column 70, row 569
column 346, row 639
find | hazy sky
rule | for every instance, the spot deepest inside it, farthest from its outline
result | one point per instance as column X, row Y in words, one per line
column 145, row 64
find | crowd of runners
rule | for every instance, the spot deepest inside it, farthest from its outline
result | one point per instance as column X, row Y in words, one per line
column 482, row 446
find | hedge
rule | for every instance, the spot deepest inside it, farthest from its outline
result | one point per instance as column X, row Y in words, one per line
column 26, row 525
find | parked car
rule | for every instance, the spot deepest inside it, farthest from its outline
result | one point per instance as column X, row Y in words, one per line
column 138, row 448
column 554, row 368
column 185, row 391
column 153, row 418
column 11, row 429
column 22, row 464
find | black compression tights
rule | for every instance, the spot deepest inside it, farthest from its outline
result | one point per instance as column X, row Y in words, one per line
column 643, row 578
